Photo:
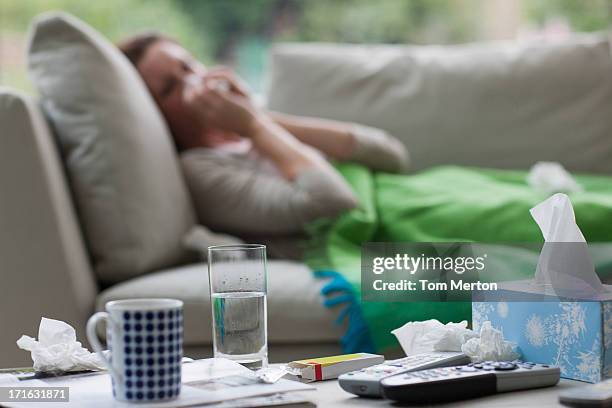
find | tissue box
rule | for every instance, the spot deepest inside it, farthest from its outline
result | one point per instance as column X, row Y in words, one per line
column 575, row 335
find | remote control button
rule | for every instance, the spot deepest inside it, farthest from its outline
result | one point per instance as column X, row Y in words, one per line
column 488, row 367
column 477, row 365
column 506, row 367
column 468, row 369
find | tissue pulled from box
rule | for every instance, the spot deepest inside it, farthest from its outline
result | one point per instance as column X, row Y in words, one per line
column 551, row 177
column 490, row 346
column 57, row 349
column 432, row 335
column 564, row 264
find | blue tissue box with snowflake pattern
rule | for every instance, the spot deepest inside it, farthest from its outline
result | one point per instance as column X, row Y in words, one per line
column 576, row 336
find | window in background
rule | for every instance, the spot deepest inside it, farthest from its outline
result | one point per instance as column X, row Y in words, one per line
column 240, row 32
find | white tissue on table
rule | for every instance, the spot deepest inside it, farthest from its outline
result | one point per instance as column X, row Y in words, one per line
column 565, row 263
column 57, row 349
column 272, row 374
column 490, row 346
column 551, row 177
column 432, row 335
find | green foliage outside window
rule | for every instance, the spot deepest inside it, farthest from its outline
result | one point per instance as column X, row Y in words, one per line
column 239, row 32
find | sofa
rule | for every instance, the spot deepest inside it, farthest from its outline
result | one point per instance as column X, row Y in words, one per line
column 46, row 268
column 504, row 105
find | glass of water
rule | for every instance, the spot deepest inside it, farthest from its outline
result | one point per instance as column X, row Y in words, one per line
column 238, row 288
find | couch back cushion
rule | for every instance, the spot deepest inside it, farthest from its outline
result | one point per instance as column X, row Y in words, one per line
column 120, row 160
column 503, row 105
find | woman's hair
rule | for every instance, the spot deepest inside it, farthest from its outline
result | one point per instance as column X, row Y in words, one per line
column 136, row 46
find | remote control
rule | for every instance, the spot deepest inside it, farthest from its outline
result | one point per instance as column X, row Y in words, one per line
column 366, row 382
column 589, row 396
column 469, row 381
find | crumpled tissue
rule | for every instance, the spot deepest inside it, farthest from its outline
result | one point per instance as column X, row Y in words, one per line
column 432, row 335
column 490, row 346
column 551, row 177
column 57, row 349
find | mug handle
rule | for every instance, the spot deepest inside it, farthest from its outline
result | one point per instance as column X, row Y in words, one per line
column 92, row 336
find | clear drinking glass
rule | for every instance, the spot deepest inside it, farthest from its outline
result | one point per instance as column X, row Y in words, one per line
column 238, row 288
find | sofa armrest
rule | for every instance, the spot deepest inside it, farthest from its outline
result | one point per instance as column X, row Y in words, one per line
column 44, row 265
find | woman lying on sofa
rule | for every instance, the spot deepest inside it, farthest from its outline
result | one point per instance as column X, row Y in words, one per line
column 253, row 173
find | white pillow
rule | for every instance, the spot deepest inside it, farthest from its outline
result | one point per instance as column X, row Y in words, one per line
column 503, row 105
column 119, row 156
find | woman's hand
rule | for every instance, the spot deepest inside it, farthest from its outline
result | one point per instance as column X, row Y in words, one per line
column 225, row 110
column 236, row 84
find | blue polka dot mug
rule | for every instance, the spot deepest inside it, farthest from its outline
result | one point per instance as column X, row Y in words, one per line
column 145, row 340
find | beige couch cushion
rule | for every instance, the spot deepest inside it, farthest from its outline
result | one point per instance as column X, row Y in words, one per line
column 295, row 305
column 127, row 186
column 504, row 105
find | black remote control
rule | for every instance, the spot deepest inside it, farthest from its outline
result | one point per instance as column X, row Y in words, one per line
column 469, row 381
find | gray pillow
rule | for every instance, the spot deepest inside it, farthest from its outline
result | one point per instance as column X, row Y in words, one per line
column 504, row 105
column 119, row 156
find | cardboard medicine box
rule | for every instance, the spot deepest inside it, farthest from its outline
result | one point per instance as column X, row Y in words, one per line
column 325, row 368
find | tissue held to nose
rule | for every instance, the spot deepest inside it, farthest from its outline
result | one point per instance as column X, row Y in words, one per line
column 432, row 335
column 57, row 349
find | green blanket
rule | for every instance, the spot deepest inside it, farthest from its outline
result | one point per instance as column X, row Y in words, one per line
column 444, row 204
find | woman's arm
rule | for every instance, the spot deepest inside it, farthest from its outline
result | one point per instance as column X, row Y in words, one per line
column 337, row 140
column 236, row 113
column 289, row 154
column 332, row 138
column 248, row 201
column 347, row 141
